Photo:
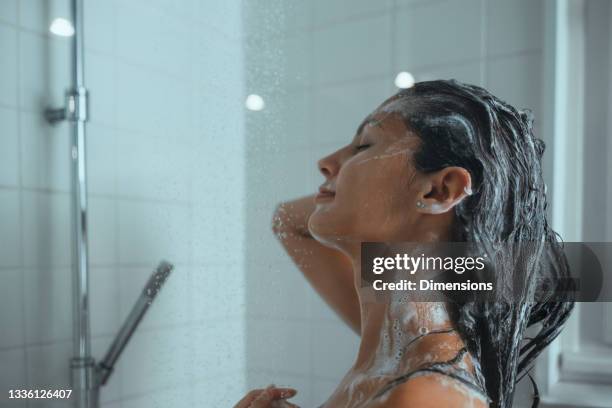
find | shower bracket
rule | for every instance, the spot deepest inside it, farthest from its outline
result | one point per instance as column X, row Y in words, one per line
column 76, row 107
column 83, row 374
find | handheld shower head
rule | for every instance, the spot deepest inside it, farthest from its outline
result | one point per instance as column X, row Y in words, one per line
column 151, row 289
column 157, row 279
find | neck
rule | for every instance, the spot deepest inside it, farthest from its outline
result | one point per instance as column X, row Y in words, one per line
column 389, row 324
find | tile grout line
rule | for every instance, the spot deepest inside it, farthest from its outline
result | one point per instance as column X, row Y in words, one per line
column 24, row 296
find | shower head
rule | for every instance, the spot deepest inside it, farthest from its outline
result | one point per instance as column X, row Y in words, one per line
column 157, row 279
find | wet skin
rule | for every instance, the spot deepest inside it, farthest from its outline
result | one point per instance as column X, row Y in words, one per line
column 375, row 190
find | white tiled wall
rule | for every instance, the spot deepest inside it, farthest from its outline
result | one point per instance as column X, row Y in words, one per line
column 166, row 162
column 321, row 66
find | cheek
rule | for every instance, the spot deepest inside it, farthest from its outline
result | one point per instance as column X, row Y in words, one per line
column 370, row 191
column 379, row 181
column 369, row 199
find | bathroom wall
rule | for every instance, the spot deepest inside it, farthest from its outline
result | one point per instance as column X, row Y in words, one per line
column 165, row 151
column 321, row 66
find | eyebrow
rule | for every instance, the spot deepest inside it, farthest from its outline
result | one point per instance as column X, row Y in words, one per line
column 364, row 123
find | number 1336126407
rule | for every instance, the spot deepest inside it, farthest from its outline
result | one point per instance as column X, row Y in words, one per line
column 39, row 394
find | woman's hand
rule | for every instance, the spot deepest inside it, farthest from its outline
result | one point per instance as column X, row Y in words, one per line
column 270, row 397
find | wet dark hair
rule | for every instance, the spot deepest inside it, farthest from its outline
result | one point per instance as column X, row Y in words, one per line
column 465, row 125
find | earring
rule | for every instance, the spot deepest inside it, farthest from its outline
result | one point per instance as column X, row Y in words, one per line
column 420, row 204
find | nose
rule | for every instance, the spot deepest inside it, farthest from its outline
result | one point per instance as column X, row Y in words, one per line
column 329, row 165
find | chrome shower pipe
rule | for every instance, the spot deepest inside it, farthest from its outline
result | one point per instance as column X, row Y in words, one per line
column 82, row 363
column 75, row 111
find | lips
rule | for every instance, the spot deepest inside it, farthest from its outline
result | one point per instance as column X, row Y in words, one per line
column 324, row 194
column 326, row 190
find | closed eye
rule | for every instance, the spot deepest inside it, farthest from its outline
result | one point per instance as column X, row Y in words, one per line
column 363, row 146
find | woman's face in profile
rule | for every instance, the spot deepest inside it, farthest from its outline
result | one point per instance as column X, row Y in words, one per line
column 372, row 180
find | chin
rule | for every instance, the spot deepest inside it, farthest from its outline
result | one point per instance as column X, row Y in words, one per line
column 325, row 227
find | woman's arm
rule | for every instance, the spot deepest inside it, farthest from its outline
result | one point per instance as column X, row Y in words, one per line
column 328, row 270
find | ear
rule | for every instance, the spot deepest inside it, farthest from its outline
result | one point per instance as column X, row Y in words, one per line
column 443, row 190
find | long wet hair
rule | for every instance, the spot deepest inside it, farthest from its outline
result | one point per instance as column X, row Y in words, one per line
column 465, row 125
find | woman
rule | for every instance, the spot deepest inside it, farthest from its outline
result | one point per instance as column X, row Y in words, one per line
column 441, row 161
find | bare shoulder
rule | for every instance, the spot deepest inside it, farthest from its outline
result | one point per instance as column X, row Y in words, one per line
column 432, row 391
